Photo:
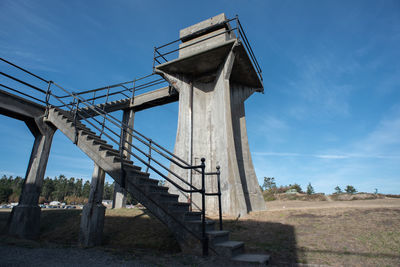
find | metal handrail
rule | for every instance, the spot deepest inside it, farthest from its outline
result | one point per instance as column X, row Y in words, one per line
column 202, row 166
column 78, row 112
column 99, row 112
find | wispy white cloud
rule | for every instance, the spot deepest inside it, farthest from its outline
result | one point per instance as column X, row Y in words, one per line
column 326, row 156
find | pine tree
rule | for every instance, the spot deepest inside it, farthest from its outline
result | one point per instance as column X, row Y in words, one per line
column 310, row 189
column 350, row 189
column 338, row 190
column 269, row 183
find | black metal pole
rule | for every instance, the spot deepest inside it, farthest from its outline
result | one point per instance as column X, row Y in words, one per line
column 149, row 157
column 203, row 207
column 219, row 197
column 47, row 99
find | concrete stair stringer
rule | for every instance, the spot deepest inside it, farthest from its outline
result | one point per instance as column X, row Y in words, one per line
column 138, row 185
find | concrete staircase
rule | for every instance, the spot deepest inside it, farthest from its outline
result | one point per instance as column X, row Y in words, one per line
column 107, row 107
column 185, row 225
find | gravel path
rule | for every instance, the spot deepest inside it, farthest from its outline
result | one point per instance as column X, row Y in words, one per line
column 17, row 255
column 21, row 256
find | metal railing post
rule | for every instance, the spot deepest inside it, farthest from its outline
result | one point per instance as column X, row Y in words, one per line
column 154, row 58
column 133, row 91
column 203, row 208
column 94, row 97
column 219, row 197
column 149, row 156
column 121, row 154
column 75, row 120
column 47, row 99
column 104, row 108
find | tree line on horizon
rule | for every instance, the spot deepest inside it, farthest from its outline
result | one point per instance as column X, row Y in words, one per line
column 270, row 185
column 70, row 191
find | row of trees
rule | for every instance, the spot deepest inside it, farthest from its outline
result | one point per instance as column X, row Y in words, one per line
column 270, row 185
column 72, row 190
column 349, row 190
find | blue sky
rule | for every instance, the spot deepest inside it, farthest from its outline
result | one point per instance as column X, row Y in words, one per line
column 330, row 114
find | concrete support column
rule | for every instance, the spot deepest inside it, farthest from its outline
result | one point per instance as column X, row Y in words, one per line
column 92, row 220
column 24, row 220
column 212, row 124
column 128, row 118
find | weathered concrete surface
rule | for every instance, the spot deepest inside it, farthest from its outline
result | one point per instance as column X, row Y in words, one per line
column 24, row 220
column 212, row 124
column 128, row 118
column 213, row 28
column 119, row 200
column 19, row 108
column 92, row 220
column 154, row 98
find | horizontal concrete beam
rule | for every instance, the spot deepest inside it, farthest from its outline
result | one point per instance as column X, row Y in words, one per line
column 154, row 98
column 19, row 108
column 143, row 101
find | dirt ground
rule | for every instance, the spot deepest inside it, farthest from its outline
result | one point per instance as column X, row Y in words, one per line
column 332, row 233
column 340, row 233
column 297, row 204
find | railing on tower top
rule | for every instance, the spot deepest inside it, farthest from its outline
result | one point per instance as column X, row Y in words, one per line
column 77, row 106
column 169, row 51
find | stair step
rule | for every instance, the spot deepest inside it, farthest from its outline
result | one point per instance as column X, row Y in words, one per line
column 117, row 159
column 193, row 216
column 97, row 141
column 229, row 249
column 196, row 225
column 157, row 188
column 109, row 152
column 259, row 259
column 132, row 167
column 141, row 175
column 165, row 197
column 146, row 181
column 217, row 236
column 86, row 132
column 174, row 206
column 187, row 216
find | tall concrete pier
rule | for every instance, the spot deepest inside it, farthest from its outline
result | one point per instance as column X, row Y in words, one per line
column 214, row 76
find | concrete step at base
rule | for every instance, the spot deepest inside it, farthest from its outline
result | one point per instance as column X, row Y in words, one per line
column 229, row 249
column 252, row 259
column 216, row 236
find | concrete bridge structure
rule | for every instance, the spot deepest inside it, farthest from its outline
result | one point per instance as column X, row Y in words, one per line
column 214, row 73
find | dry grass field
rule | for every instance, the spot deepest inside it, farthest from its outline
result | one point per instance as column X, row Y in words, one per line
column 350, row 233
column 345, row 233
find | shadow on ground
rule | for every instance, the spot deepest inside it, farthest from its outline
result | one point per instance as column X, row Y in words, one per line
column 130, row 232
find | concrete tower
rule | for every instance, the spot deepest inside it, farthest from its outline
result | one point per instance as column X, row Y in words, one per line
column 214, row 76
